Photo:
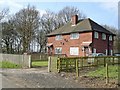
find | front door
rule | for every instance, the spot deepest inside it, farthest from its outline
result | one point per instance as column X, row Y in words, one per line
column 87, row 51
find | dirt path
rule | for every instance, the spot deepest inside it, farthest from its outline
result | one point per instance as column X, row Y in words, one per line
column 40, row 78
column 35, row 78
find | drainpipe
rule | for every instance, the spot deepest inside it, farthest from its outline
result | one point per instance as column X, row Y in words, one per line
column 108, row 46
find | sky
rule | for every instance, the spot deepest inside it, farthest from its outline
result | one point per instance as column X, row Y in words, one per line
column 101, row 11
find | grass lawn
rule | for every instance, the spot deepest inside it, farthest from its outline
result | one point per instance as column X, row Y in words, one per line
column 101, row 72
column 6, row 64
column 40, row 63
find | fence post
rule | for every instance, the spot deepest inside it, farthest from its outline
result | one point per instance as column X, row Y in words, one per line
column 49, row 64
column 97, row 61
column 66, row 65
column 77, row 70
column 81, row 63
column 107, row 75
column 104, row 61
column 58, row 65
column 113, row 60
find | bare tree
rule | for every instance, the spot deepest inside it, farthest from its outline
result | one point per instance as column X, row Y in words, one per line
column 3, row 13
column 41, row 40
column 26, row 23
column 48, row 22
column 67, row 12
column 51, row 21
column 110, row 28
column 8, row 36
column 118, row 41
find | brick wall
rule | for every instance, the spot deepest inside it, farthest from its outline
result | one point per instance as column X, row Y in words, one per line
column 102, row 45
column 66, row 43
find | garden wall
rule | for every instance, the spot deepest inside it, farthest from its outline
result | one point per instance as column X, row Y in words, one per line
column 23, row 60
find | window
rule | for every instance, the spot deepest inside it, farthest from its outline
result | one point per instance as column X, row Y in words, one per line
column 96, row 35
column 58, row 50
column 110, row 38
column 58, row 37
column 74, row 50
column 74, row 36
column 103, row 36
column 94, row 50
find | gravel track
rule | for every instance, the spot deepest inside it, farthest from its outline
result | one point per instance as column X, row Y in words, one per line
column 36, row 78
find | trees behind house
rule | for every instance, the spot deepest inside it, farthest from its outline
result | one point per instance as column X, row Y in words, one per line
column 27, row 30
column 116, row 38
column 66, row 13
column 27, row 27
column 51, row 21
column 118, row 41
column 8, row 36
column 26, row 23
column 3, row 13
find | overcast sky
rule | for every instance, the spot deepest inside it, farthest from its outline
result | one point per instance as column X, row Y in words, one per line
column 102, row 12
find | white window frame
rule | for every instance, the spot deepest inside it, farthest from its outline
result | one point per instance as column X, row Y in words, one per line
column 74, row 51
column 94, row 50
column 110, row 38
column 96, row 35
column 58, row 37
column 74, row 36
column 60, row 50
column 103, row 36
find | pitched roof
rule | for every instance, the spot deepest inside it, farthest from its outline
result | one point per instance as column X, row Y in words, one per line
column 83, row 25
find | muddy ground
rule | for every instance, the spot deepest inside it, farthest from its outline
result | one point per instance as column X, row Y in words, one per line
column 90, row 82
column 40, row 78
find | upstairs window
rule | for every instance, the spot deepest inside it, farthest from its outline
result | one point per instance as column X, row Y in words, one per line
column 103, row 36
column 110, row 38
column 74, row 36
column 58, row 37
column 58, row 50
column 96, row 35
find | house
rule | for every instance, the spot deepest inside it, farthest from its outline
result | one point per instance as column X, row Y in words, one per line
column 80, row 38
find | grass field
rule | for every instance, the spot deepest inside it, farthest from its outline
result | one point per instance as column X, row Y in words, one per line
column 101, row 72
column 40, row 63
column 6, row 64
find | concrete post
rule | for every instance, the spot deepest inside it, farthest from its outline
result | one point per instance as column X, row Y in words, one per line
column 49, row 64
column 30, row 64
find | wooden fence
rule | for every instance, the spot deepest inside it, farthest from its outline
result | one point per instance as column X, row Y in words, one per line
column 73, row 64
column 38, row 57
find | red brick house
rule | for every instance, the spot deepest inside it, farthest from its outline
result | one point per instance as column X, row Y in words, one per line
column 80, row 38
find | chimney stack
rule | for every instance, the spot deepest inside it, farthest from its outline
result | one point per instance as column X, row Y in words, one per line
column 74, row 19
